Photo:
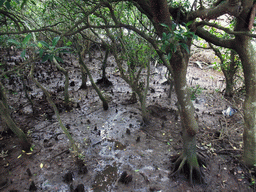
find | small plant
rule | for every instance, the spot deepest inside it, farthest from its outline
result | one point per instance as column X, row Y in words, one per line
column 21, row 45
column 49, row 52
column 195, row 91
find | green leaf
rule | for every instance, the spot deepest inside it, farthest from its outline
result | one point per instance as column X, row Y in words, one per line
column 195, row 37
column 58, row 59
column 173, row 47
column 55, row 41
column 1, row 2
column 23, row 3
column 26, row 40
column 44, row 10
column 189, row 23
column 169, row 56
column 41, row 52
column 69, row 43
column 64, row 51
column 62, row 48
column 23, row 53
column 185, row 46
column 39, row 44
column 50, row 57
column 173, row 26
column 44, row 44
column 13, row 42
column 7, row 4
column 51, row 47
column 164, row 25
column 169, row 36
column 45, row 58
column 163, row 36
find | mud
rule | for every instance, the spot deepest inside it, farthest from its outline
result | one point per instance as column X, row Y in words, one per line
column 118, row 152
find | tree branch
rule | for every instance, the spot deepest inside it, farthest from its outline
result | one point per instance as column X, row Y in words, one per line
column 227, row 30
column 227, row 43
column 231, row 7
column 30, row 31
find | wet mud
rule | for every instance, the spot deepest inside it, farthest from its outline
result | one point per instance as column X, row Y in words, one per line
column 118, row 151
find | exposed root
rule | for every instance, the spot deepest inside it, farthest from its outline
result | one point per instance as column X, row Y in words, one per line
column 191, row 170
column 104, row 81
column 83, row 86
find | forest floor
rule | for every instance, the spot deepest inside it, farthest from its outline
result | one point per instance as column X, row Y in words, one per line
column 114, row 141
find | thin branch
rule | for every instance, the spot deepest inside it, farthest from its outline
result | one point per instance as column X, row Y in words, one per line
column 18, row 67
column 227, row 30
column 11, row 16
column 30, row 31
column 200, row 47
column 56, row 111
column 81, row 20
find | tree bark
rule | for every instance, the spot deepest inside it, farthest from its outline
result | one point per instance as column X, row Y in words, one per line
column 247, row 54
column 248, row 58
column 179, row 64
column 15, row 129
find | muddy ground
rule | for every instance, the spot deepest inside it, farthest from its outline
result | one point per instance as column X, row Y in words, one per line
column 115, row 142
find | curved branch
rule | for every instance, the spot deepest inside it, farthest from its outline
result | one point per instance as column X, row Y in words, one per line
column 231, row 7
column 7, row 14
column 227, row 43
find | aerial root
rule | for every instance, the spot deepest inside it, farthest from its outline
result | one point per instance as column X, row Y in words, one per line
column 191, row 170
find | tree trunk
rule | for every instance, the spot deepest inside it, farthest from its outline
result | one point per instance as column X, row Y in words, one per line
column 229, row 74
column 247, row 54
column 248, row 58
column 15, row 129
column 229, row 86
column 65, row 72
column 4, row 100
column 102, row 98
column 84, row 78
column 179, row 63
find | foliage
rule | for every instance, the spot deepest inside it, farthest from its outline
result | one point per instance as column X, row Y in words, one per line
column 176, row 37
column 47, row 51
column 5, row 3
column 21, row 45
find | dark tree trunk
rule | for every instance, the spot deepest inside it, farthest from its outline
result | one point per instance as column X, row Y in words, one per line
column 104, row 80
column 84, row 78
